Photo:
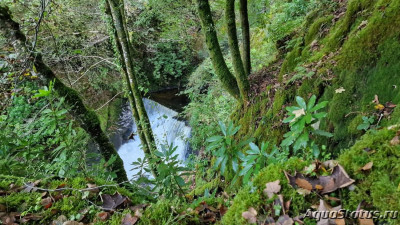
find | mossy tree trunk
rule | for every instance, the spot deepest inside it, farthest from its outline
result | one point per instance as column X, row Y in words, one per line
column 125, row 54
column 87, row 118
column 241, row 75
column 217, row 58
column 244, row 21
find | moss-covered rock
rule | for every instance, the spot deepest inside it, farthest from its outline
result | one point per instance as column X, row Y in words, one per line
column 380, row 185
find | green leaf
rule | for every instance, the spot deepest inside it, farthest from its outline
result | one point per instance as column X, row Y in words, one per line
column 288, row 119
column 235, row 164
column 363, row 126
column 180, row 181
column 301, row 102
column 322, row 133
column 319, row 115
column 223, row 165
column 254, row 147
column 214, row 138
column 218, row 161
column 301, row 142
column 319, row 106
column 222, row 126
column 311, row 102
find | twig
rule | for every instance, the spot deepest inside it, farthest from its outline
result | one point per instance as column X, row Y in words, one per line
column 108, row 101
column 87, row 71
column 74, row 189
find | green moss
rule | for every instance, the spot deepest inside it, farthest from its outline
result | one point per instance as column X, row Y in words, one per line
column 243, row 200
column 320, row 23
column 379, row 186
column 20, row 201
column 159, row 213
column 352, row 128
column 292, row 59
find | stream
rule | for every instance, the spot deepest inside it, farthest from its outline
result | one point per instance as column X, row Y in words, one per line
column 167, row 129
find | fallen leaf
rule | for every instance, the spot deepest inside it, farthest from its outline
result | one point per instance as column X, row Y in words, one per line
column 340, row 90
column 129, row 220
column 209, row 217
column 364, row 221
column 222, row 210
column 285, row 220
column 363, row 24
column 60, row 220
column 46, row 202
column 303, row 183
column 250, row 215
column 376, row 99
column 395, row 141
column 103, row 216
column 272, row 188
column 93, row 188
column 303, row 191
column 111, row 202
column 342, row 179
column 379, row 107
column 30, row 217
column 72, row 223
column 367, row 166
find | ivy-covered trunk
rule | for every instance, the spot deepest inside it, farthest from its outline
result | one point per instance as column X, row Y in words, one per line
column 244, row 21
column 241, row 75
column 86, row 117
column 217, row 58
column 115, row 9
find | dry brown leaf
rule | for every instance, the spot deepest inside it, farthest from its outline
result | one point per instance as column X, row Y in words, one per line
column 93, row 188
column 272, row 188
column 330, row 164
column 328, row 183
column 222, row 210
column 367, row 166
column 111, row 202
column 362, row 220
column 103, row 216
column 129, row 220
column 342, row 179
column 303, row 191
column 395, row 141
column 340, row 222
column 46, row 202
column 376, row 99
column 303, row 183
column 285, row 220
column 250, row 215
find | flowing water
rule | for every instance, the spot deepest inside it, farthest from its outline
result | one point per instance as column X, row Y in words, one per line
column 166, row 128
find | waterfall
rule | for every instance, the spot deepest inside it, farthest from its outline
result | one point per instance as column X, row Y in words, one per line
column 166, row 128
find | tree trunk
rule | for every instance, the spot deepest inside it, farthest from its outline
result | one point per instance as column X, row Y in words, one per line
column 126, row 57
column 244, row 20
column 217, row 58
column 87, row 118
column 241, row 76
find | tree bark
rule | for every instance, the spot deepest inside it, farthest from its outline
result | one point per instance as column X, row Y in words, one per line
column 217, row 58
column 126, row 56
column 241, row 76
column 244, row 20
column 87, row 118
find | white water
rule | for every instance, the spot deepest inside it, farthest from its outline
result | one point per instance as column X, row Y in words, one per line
column 166, row 129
